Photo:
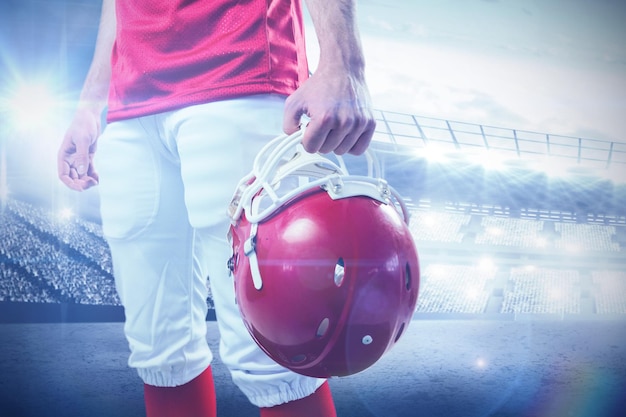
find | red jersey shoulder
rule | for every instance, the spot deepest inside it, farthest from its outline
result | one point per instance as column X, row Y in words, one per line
column 171, row 54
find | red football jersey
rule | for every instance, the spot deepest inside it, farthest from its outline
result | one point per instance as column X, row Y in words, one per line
column 174, row 53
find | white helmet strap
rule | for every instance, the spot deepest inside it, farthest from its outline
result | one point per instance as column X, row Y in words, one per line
column 284, row 163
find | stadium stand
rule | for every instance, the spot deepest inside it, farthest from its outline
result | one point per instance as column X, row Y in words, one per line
column 609, row 292
column 520, row 233
column 437, row 226
column 15, row 287
column 542, row 291
column 454, row 289
column 588, row 237
column 65, row 262
column 553, row 248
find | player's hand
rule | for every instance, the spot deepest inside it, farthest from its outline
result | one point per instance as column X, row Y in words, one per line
column 338, row 106
column 75, row 156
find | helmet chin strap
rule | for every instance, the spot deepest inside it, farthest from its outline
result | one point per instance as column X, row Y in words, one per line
column 249, row 248
column 285, row 157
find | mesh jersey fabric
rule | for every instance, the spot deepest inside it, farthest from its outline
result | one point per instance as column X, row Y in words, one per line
column 170, row 54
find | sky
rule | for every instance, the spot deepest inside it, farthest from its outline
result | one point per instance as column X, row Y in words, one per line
column 553, row 66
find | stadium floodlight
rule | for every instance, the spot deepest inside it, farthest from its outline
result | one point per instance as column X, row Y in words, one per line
column 432, row 154
column 29, row 105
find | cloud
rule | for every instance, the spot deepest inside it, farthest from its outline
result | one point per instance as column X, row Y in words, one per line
column 540, row 68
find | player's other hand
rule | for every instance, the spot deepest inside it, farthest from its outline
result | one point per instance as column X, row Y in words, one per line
column 338, row 106
column 75, row 156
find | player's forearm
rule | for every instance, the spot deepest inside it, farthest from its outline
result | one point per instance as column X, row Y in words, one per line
column 338, row 35
column 95, row 90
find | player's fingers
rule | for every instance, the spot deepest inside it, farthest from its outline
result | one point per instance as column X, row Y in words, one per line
column 67, row 174
column 93, row 175
column 78, row 184
column 81, row 158
column 336, row 140
column 346, row 144
column 316, row 135
column 348, row 136
column 64, row 153
column 63, row 167
column 70, row 182
column 364, row 140
column 65, row 179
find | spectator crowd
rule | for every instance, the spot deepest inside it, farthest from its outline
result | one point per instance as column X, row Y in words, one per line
column 47, row 258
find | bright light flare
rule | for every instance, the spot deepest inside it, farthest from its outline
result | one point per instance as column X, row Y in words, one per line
column 428, row 221
column 473, row 294
column 490, row 160
column 30, row 105
column 481, row 363
column 65, row 213
column 553, row 168
column 486, row 263
column 495, row 231
column 433, row 154
column 4, row 191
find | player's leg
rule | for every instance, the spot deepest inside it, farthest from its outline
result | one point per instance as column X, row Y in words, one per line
column 162, row 287
column 217, row 143
column 195, row 398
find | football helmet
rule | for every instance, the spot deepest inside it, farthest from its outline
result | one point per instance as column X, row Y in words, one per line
column 325, row 269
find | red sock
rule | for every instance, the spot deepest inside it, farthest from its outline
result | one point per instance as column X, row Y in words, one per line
column 318, row 404
column 193, row 399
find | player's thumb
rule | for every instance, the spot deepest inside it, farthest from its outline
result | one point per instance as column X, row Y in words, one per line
column 293, row 117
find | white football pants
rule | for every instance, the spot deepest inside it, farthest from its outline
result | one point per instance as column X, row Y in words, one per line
column 165, row 184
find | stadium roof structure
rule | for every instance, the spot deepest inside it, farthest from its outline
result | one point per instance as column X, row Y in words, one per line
column 439, row 162
column 603, row 157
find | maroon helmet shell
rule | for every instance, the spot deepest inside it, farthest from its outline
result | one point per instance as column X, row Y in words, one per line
column 337, row 280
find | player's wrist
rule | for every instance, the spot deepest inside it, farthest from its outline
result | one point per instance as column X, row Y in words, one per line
column 90, row 107
column 350, row 62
